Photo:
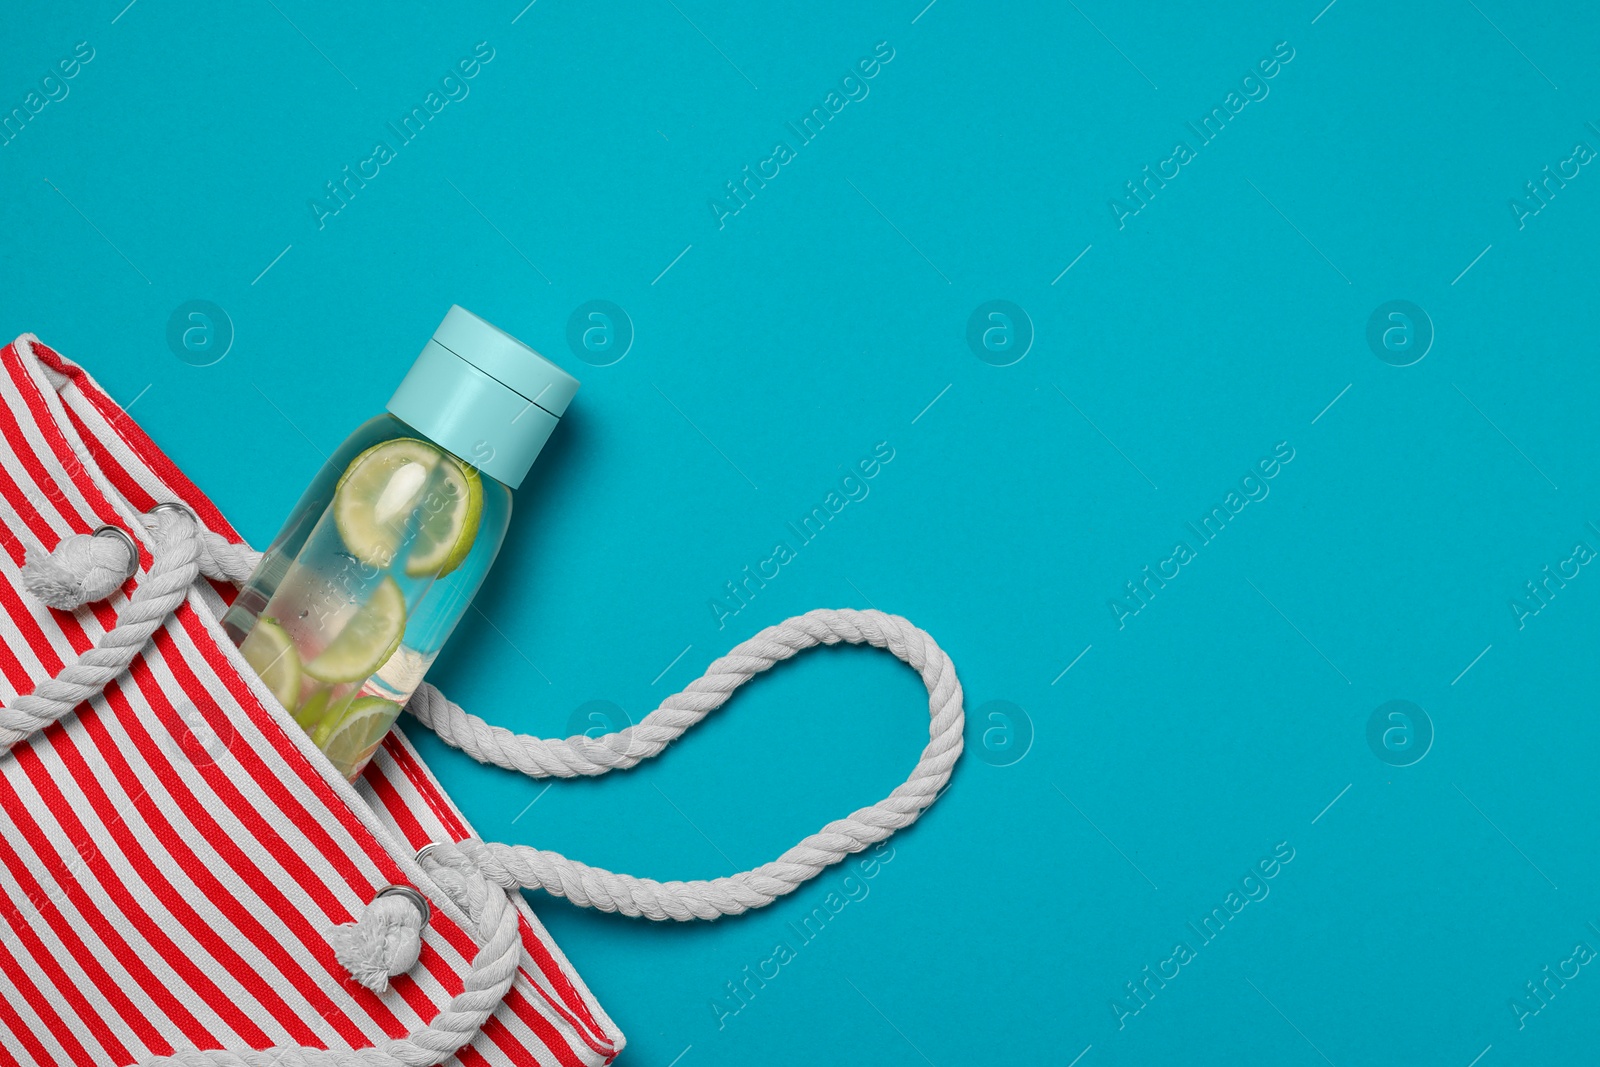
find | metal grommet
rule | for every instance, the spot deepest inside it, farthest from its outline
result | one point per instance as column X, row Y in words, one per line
column 425, row 849
column 127, row 539
column 416, row 898
column 173, row 505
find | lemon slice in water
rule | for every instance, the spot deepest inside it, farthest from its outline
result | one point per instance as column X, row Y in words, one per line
column 377, row 493
column 450, row 520
column 350, row 741
column 398, row 485
column 271, row 654
column 367, row 640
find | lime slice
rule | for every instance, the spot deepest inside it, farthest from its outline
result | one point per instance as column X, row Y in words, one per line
column 377, row 494
column 367, row 640
column 349, row 743
column 450, row 513
column 272, row 655
column 313, row 707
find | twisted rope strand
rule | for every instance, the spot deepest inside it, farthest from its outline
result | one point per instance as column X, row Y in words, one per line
column 516, row 866
column 173, row 571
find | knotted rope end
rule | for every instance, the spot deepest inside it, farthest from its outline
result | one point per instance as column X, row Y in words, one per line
column 385, row 941
column 81, row 569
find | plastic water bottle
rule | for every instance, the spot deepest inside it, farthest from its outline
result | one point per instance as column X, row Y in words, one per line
column 381, row 557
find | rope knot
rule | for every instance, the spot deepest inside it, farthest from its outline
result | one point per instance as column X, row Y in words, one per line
column 82, row 568
column 386, row 940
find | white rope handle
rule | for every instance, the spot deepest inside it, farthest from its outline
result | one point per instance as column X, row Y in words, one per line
column 475, row 874
column 528, row 868
column 159, row 594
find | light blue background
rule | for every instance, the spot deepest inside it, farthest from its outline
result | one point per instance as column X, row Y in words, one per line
column 825, row 317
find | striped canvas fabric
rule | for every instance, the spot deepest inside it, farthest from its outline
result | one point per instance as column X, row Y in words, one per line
column 172, row 854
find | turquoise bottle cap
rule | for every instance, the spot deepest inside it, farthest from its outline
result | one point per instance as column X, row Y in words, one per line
column 484, row 396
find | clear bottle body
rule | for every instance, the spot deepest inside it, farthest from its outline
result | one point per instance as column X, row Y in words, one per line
column 368, row 577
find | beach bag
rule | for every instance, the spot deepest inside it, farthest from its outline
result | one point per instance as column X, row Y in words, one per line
column 185, row 879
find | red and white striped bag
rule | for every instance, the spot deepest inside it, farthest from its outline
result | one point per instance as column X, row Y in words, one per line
column 172, row 856
column 174, row 851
